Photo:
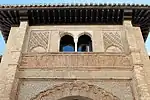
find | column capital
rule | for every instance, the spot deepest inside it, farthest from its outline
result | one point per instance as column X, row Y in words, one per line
column 75, row 39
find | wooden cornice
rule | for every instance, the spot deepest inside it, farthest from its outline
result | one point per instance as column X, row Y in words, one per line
column 63, row 14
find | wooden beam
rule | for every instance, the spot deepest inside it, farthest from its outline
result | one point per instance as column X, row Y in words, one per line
column 4, row 28
column 59, row 15
column 2, row 15
column 37, row 16
column 97, row 15
column 11, row 17
column 91, row 16
column 49, row 16
column 65, row 16
column 86, row 15
column 81, row 19
column 107, row 15
column 75, row 15
column 43, row 16
column 137, row 15
column 113, row 15
column 144, row 21
column 5, row 22
column 70, row 15
column 32, row 17
column 102, row 18
column 118, row 13
column 144, row 15
column 122, row 16
column 16, row 16
column 2, row 22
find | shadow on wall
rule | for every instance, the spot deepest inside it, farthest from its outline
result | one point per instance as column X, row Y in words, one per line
column 0, row 58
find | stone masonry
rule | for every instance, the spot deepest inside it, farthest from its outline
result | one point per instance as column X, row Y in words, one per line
column 32, row 68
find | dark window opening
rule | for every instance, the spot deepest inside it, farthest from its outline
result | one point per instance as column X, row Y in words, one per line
column 67, row 44
column 84, row 44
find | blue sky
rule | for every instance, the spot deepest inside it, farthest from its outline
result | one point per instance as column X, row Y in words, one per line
column 2, row 44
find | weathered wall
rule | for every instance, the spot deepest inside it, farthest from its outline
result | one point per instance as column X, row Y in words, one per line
column 139, row 59
column 30, row 88
column 10, row 62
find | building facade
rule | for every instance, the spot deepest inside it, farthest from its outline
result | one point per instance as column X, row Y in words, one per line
column 75, row 52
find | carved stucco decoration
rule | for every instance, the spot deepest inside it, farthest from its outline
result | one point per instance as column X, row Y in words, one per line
column 51, row 60
column 75, row 89
column 112, row 42
column 113, row 49
column 38, row 41
column 63, row 33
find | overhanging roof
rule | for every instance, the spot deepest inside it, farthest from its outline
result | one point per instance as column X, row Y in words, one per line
column 75, row 14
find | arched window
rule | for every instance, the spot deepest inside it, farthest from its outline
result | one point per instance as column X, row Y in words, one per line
column 67, row 44
column 84, row 43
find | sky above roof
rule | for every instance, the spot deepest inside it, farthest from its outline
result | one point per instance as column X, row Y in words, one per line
column 12, row 2
column 72, row 1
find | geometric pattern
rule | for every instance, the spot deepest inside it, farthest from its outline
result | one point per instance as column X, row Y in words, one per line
column 112, row 39
column 38, row 39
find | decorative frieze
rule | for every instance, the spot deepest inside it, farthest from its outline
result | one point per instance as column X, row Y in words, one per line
column 51, row 60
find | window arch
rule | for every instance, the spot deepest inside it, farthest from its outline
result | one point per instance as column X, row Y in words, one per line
column 84, row 43
column 67, row 44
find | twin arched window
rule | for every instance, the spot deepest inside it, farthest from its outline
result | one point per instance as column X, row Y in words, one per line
column 67, row 44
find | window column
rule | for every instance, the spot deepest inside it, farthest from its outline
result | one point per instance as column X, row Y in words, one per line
column 76, row 42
